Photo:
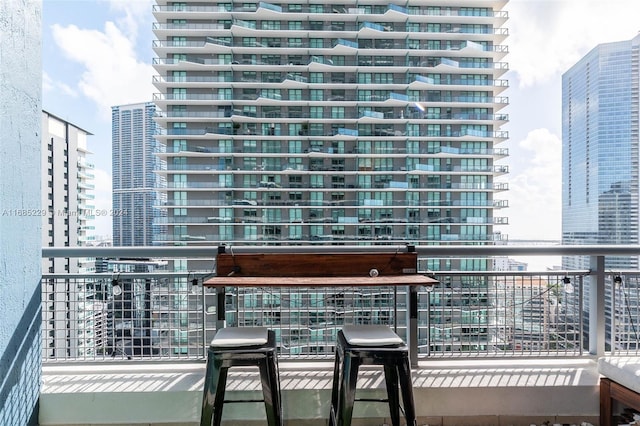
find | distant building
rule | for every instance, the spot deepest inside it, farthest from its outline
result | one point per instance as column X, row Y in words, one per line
column 134, row 323
column 508, row 264
column 600, row 136
column 321, row 123
column 136, row 181
column 279, row 131
column 67, row 200
column 600, row 170
column 67, row 192
column 529, row 315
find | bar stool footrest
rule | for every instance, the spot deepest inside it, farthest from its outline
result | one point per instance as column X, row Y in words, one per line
column 371, row 399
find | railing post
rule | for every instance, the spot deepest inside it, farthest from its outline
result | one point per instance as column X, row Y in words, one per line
column 429, row 290
column 205, row 343
column 596, row 306
column 220, row 308
column 412, row 324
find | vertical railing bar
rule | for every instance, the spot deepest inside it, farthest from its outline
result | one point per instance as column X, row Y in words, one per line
column 395, row 309
column 205, row 344
column 580, row 303
column 513, row 317
column 612, row 310
column 596, row 306
column 412, row 324
column 429, row 290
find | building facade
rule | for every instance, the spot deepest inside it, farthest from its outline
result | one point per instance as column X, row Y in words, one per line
column 600, row 135
column 21, row 207
column 67, row 192
column 67, row 199
column 136, row 200
column 332, row 123
column 600, row 171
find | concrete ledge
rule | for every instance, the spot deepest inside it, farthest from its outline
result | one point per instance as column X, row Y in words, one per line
column 624, row 370
column 447, row 392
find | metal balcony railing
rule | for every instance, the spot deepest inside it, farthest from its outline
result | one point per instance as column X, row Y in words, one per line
column 161, row 315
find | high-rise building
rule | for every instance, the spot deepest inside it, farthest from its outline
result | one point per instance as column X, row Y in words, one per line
column 68, row 214
column 600, row 171
column 600, row 135
column 327, row 123
column 136, row 197
column 67, row 192
column 332, row 123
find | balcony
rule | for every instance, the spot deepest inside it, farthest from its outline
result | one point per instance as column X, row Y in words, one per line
column 496, row 347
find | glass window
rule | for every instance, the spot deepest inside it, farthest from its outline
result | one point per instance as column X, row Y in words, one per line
column 316, row 95
column 249, row 146
column 295, row 147
column 316, row 181
column 179, row 93
column 316, row 112
column 295, row 94
column 179, row 76
column 249, row 41
column 179, row 145
column 270, row 25
column 337, row 112
column 316, row 77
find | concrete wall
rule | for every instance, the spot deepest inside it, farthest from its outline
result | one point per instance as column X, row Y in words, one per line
column 500, row 392
column 20, row 210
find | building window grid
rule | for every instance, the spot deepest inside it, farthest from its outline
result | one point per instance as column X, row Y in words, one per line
column 317, row 112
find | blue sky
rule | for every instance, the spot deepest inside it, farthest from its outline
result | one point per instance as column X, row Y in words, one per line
column 97, row 54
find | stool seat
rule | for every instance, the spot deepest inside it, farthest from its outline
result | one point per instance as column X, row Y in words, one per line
column 371, row 335
column 241, row 346
column 240, row 337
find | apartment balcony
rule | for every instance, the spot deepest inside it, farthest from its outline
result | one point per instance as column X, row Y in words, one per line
column 487, row 347
column 184, row 10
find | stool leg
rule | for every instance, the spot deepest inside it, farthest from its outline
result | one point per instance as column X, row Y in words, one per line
column 404, row 370
column 350, row 365
column 335, row 388
column 270, row 391
column 210, row 385
column 219, row 399
column 213, row 392
column 393, row 395
column 276, row 379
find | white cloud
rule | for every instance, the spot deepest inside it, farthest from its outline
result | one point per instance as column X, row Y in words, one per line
column 546, row 37
column 47, row 82
column 112, row 75
column 134, row 13
column 49, row 85
column 535, row 193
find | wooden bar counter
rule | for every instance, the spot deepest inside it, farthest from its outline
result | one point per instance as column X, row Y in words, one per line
column 293, row 270
column 343, row 281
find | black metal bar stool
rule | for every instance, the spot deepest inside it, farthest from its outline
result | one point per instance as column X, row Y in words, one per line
column 241, row 346
column 371, row 345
